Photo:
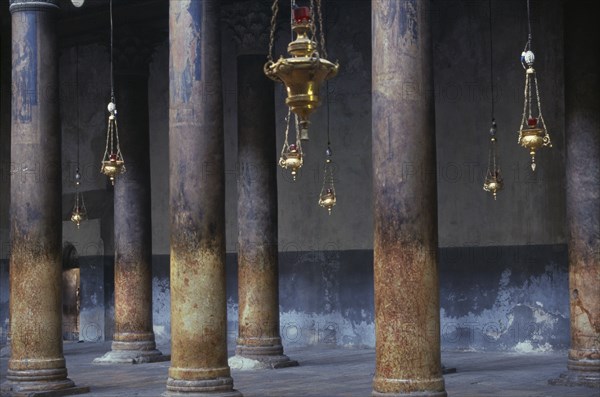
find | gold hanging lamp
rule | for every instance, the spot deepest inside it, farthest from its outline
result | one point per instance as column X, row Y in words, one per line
column 327, row 197
column 533, row 134
column 307, row 67
column 493, row 182
column 79, row 212
column 493, row 178
column 291, row 156
column 113, row 163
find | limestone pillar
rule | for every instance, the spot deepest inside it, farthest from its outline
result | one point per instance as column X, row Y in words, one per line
column 133, row 340
column 197, row 203
column 407, row 325
column 36, row 363
column 5, row 99
column 582, row 135
column 259, row 342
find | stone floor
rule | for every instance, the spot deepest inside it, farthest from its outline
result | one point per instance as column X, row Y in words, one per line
column 327, row 372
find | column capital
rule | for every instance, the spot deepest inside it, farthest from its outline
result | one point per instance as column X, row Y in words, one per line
column 133, row 51
column 250, row 23
column 33, row 5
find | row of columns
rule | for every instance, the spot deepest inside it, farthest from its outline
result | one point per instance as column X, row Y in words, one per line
column 405, row 262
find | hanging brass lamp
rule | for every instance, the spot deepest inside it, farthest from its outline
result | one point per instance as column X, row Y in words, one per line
column 327, row 197
column 291, row 157
column 493, row 179
column 533, row 134
column 79, row 212
column 113, row 163
column 306, row 68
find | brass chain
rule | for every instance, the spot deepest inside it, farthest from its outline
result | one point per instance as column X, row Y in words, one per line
column 321, row 31
column 275, row 10
column 313, row 26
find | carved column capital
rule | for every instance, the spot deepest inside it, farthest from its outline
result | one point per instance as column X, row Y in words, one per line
column 33, row 5
column 133, row 52
column 250, row 22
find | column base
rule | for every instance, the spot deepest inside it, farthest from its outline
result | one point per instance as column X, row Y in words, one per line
column 268, row 355
column 433, row 387
column 577, row 378
column 41, row 389
column 413, row 394
column 245, row 363
column 132, row 352
column 132, row 357
column 219, row 387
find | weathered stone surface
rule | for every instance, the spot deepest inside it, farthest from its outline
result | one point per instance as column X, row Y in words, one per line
column 36, row 363
column 582, row 134
column 258, row 275
column 405, row 208
column 197, row 193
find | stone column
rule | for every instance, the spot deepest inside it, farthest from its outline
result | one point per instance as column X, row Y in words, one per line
column 133, row 340
column 582, row 135
column 407, row 324
column 36, row 363
column 197, row 203
column 259, row 343
column 5, row 99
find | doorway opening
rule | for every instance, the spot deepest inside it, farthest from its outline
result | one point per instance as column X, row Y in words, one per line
column 70, row 293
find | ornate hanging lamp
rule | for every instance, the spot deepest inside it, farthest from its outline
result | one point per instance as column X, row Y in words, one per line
column 533, row 134
column 291, row 154
column 493, row 178
column 79, row 212
column 327, row 197
column 307, row 67
column 113, row 163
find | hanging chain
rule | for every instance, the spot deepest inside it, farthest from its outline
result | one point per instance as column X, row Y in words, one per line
column 108, row 141
column 112, row 79
column 313, row 26
column 274, row 11
column 547, row 141
column 491, row 58
column 494, row 168
column 528, row 26
column 321, row 31
column 298, row 141
column 287, row 131
column 77, row 98
column 119, row 155
column 524, row 118
column 490, row 156
column 327, row 177
column 529, row 95
column 324, row 180
column 327, row 98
